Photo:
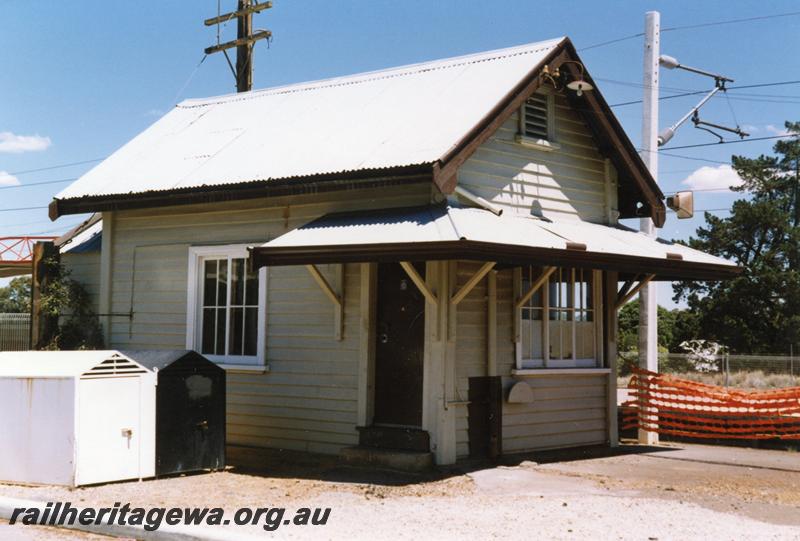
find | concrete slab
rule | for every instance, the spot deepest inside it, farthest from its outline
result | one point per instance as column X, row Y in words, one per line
column 531, row 482
column 731, row 456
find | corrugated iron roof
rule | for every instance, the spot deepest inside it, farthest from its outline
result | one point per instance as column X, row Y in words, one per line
column 403, row 116
column 434, row 225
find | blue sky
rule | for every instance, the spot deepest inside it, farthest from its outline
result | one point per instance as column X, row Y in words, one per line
column 82, row 78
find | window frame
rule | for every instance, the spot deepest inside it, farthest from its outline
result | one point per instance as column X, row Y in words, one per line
column 524, row 361
column 198, row 255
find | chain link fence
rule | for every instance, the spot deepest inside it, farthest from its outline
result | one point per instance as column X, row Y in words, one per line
column 15, row 332
column 739, row 371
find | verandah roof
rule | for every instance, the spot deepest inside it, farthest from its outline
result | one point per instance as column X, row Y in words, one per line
column 450, row 232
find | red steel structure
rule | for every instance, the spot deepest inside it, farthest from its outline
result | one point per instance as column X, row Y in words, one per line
column 16, row 254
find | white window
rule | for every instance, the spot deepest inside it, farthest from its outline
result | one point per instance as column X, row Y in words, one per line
column 226, row 319
column 559, row 325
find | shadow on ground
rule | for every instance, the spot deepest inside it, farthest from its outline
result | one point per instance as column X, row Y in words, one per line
column 298, row 465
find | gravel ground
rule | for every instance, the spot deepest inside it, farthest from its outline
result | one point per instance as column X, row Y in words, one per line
column 656, row 495
column 36, row 533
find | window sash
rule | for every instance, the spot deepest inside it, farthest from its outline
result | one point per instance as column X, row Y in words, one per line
column 237, row 303
column 559, row 325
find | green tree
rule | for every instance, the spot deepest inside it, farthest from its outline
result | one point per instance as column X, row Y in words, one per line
column 68, row 303
column 628, row 327
column 15, row 298
column 758, row 311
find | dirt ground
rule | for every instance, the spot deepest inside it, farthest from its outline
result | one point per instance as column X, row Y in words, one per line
column 671, row 492
column 37, row 533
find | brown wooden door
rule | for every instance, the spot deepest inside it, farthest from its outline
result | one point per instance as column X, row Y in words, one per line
column 399, row 336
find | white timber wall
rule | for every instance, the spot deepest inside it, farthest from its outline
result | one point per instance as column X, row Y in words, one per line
column 567, row 410
column 85, row 268
column 571, row 180
column 308, row 399
column 471, row 347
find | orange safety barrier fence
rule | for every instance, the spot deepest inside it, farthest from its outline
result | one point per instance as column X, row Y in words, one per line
column 679, row 407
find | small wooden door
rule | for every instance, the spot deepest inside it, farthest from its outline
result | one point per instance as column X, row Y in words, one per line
column 399, row 336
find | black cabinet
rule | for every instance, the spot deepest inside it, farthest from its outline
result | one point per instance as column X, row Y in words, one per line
column 190, row 410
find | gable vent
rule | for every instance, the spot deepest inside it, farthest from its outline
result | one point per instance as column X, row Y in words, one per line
column 115, row 366
column 536, row 117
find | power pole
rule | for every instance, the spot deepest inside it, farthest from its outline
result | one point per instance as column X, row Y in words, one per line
column 648, row 296
column 245, row 38
column 244, row 52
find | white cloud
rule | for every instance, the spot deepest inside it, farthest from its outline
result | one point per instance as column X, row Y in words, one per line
column 7, row 179
column 16, row 144
column 712, row 178
column 154, row 112
column 775, row 130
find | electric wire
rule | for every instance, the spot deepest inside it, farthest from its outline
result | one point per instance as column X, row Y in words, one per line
column 697, row 92
column 691, row 26
column 60, row 228
column 19, row 209
column 703, row 190
column 731, row 21
column 750, row 140
column 33, row 184
column 611, row 41
column 730, row 106
column 692, row 158
column 58, row 166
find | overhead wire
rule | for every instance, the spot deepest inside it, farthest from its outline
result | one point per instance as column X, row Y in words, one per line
column 611, row 41
column 709, row 210
column 731, row 21
column 58, row 166
column 692, row 158
column 705, row 190
column 19, row 209
column 691, row 26
column 698, row 92
column 33, row 184
column 750, row 140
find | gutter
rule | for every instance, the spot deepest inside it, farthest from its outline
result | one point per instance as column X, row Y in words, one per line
column 370, row 178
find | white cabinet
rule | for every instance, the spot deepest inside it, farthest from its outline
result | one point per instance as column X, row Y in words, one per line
column 75, row 418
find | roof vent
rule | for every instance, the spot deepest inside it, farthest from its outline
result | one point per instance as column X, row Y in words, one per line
column 535, row 121
column 114, row 366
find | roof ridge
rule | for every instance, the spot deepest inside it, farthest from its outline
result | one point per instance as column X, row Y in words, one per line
column 375, row 75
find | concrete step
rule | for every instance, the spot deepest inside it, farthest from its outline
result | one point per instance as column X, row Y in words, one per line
column 392, row 459
column 394, row 437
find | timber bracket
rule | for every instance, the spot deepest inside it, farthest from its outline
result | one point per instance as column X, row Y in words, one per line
column 336, row 298
column 629, row 289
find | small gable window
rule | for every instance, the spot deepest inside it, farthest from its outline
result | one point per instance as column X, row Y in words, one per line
column 536, row 122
